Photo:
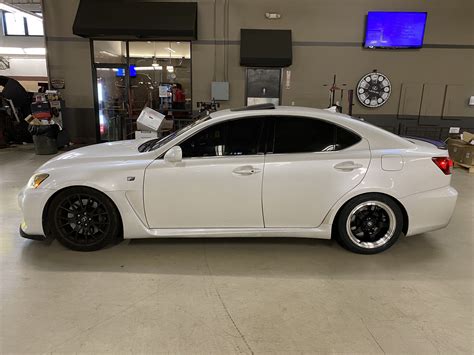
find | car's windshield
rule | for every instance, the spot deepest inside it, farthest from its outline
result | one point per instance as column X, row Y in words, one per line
column 159, row 142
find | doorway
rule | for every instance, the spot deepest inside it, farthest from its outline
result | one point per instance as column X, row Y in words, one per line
column 112, row 101
column 131, row 75
column 263, row 86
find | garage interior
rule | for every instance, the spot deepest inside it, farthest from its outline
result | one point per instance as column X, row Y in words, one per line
column 108, row 60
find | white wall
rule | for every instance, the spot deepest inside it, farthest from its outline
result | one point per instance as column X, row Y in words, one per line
column 23, row 65
column 26, row 67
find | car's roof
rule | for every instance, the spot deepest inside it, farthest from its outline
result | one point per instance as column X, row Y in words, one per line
column 378, row 138
column 292, row 110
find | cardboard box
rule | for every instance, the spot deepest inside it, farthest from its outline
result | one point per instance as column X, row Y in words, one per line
column 149, row 120
column 166, row 125
column 454, row 148
column 467, row 155
column 461, row 152
column 468, row 137
column 145, row 134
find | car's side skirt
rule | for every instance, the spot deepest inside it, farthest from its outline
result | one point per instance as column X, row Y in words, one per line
column 322, row 232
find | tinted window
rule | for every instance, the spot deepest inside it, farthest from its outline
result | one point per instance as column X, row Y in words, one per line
column 237, row 137
column 300, row 135
column 345, row 138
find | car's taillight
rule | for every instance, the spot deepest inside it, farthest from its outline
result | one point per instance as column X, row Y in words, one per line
column 445, row 164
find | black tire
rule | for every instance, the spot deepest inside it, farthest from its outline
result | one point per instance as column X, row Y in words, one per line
column 369, row 224
column 83, row 219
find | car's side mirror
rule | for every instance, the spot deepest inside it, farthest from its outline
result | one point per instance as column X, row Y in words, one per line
column 174, row 155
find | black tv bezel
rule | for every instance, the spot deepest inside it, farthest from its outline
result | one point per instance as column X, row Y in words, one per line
column 395, row 47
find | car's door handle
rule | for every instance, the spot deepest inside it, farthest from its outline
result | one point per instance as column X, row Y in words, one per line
column 347, row 166
column 246, row 170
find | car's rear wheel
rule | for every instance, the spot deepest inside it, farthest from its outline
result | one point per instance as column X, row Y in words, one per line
column 369, row 224
column 83, row 219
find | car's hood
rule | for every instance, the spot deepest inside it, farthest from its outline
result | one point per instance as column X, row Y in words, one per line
column 107, row 152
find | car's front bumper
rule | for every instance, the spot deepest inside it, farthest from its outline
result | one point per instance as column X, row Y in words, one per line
column 32, row 203
column 430, row 210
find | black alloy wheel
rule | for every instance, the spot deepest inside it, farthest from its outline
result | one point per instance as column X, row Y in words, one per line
column 369, row 224
column 83, row 219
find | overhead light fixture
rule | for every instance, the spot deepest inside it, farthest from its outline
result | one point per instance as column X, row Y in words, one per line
column 11, row 50
column 22, row 51
column 159, row 67
column 169, row 68
column 171, row 50
column 109, row 53
column 35, row 51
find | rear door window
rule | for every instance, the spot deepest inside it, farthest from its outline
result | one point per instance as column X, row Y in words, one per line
column 302, row 135
column 305, row 135
column 345, row 138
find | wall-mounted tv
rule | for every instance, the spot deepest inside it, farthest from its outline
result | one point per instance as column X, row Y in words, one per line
column 395, row 29
column 120, row 72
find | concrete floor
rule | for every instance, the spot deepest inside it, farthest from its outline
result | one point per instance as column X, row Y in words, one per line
column 234, row 296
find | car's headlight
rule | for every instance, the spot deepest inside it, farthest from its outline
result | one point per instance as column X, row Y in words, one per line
column 36, row 180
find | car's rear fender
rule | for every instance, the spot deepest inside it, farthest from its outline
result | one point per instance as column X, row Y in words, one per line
column 416, row 174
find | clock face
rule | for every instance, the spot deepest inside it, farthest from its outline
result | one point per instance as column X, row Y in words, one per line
column 373, row 89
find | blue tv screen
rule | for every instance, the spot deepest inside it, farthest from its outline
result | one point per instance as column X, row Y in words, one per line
column 121, row 71
column 395, row 29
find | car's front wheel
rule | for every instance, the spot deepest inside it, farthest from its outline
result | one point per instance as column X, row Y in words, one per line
column 83, row 219
column 369, row 224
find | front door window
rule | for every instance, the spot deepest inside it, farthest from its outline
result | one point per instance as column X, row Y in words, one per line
column 230, row 138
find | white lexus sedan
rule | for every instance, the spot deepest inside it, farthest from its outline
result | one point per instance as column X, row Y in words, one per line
column 260, row 171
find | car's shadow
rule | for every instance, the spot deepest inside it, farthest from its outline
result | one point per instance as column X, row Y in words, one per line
column 266, row 257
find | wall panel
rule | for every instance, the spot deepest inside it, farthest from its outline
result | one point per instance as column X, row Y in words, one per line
column 410, row 100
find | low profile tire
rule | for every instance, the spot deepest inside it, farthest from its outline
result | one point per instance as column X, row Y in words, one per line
column 83, row 219
column 369, row 224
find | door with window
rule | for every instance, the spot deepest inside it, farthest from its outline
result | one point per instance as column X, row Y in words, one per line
column 309, row 165
column 217, row 184
column 131, row 75
column 112, row 101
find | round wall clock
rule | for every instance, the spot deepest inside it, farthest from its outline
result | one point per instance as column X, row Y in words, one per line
column 373, row 89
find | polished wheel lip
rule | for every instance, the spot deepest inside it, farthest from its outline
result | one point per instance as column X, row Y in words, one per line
column 385, row 238
column 89, row 221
